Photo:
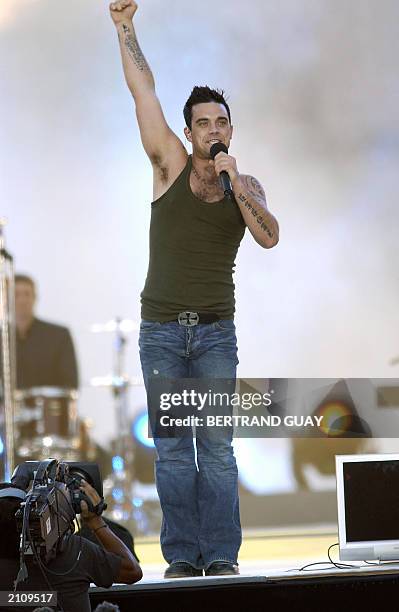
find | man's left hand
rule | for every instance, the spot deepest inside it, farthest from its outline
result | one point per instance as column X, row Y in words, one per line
column 95, row 499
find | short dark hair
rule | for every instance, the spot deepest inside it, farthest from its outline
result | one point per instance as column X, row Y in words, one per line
column 8, row 524
column 24, row 278
column 105, row 606
column 202, row 94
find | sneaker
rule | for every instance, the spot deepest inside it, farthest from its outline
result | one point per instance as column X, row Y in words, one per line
column 181, row 569
column 222, row 568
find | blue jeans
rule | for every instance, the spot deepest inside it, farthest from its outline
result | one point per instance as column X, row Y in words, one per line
column 201, row 520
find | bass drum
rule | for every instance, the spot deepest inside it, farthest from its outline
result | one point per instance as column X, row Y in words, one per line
column 46, row 423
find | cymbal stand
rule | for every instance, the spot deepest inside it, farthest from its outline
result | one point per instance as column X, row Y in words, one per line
column 122, row 464
column 8, row 352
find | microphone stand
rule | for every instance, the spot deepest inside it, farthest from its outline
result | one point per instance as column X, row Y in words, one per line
column 8, row 353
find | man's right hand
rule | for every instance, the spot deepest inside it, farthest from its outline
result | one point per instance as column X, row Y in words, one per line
column 122, row 11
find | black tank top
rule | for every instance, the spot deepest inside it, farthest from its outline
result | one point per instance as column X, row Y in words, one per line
column 193, row 246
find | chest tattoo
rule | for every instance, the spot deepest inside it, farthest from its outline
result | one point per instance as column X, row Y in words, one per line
column 205, row 189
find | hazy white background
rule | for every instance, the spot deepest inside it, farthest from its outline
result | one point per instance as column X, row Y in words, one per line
column 314, row 94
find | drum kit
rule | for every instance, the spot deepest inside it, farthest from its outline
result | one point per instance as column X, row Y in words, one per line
column 46, row 421
column 47, row 424
column 41, row 422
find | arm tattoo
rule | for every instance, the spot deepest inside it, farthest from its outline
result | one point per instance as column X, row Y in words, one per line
column 255, row 190
column 133, row 49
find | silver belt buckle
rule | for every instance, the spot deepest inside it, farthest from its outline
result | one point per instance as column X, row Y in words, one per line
column 188, row 319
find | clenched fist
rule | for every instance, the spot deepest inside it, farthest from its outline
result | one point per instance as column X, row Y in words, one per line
column 122, row 11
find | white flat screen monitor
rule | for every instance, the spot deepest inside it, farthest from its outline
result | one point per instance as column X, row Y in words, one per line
column 368, row 506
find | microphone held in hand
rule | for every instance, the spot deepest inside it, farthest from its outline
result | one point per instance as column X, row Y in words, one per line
column 219, row 147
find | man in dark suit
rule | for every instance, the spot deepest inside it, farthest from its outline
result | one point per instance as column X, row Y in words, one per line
column 45, row 352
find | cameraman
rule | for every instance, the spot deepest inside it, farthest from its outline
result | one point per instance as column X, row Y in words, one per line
column 78, row 561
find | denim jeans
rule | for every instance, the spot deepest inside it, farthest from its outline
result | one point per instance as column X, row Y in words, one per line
column 199, row 500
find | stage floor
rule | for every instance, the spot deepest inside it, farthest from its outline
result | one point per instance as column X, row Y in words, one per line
column 262, row 551
column 270, row 574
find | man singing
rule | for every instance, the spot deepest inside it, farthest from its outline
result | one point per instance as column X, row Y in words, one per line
column 187, row 328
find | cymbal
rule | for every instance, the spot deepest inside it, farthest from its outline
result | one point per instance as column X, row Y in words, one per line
column 110, row 380
column 46, row 392
column 118, row 324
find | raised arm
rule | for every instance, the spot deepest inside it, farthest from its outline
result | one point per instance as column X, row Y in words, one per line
column 160, row 143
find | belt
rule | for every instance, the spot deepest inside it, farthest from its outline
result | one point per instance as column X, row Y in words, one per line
column 189, row 319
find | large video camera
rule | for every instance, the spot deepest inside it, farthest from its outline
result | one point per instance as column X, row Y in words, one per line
column 52, row 500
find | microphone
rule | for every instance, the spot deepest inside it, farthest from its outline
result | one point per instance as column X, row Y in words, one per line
column 219, row 147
